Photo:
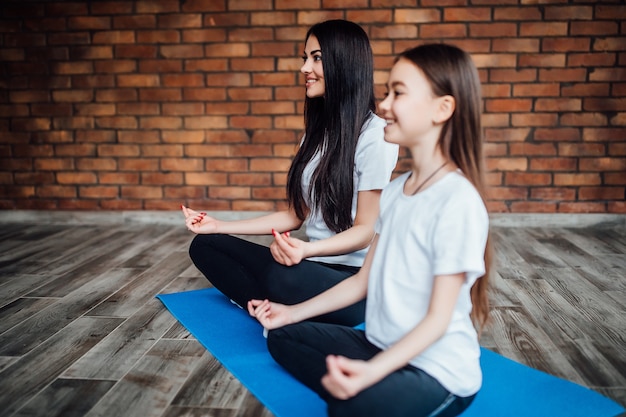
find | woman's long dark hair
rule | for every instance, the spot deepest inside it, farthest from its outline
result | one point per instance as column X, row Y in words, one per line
column 451, row 71
column 333, row 123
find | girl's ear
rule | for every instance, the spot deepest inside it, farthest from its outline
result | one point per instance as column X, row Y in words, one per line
column 445, row 109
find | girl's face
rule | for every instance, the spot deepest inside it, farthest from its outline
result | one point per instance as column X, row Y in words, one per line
column 410, row 107
column 312, row 68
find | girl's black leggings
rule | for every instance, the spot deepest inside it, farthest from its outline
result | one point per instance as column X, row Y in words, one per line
column 244, row 270
column 302, row 349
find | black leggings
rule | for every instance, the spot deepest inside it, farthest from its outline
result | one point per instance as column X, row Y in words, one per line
column 302, row 349
column 243, row 270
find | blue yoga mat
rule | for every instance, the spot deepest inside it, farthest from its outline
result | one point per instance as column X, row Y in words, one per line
column 509, row 389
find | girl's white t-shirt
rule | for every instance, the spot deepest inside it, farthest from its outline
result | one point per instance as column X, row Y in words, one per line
column 441, row 230
column 374, row 162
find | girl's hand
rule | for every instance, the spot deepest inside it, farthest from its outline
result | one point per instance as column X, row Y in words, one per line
column 345, row 377
column 199, row 222
column 270, row 315
column 287, row 250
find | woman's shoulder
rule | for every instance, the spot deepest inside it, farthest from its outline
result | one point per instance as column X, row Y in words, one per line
column 374, row 122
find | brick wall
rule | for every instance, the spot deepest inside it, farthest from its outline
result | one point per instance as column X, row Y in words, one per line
column 129, row 105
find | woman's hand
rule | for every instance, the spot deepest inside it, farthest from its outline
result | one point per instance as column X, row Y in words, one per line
column 345, row 377
column 270, row 315
column 287, row 250
column 199, row 222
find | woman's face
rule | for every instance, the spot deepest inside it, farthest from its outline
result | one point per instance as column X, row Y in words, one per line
column 312, row 68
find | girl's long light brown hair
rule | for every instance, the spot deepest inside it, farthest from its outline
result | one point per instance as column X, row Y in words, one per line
column 451, row 71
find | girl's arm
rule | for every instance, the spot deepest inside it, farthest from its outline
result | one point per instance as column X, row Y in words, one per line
column 347, row 377
column 290, row 251
column 347, row 292
column 281, row 221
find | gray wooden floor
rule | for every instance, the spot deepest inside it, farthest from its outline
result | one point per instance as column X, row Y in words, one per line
column 81, row 333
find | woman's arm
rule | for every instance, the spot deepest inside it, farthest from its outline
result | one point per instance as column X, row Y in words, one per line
column 347, row 377
column 345, row 293
column 291, row 251
column 281, row 221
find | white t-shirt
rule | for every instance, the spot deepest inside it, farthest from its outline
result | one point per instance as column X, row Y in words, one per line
column 441, row 230
column 374, row 162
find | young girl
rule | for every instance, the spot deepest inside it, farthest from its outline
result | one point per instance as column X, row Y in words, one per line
column 425, row 275
column 334, row 187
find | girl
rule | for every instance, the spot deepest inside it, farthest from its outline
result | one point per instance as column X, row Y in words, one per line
column 425, row 275
column 333, row 186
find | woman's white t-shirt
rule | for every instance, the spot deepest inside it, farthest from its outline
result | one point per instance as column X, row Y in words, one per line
column 374, row 162
column 441, row 230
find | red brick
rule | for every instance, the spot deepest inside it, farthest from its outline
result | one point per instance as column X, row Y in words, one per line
column 179, row 21
column 552, row 104
column 134, row 136
column 574, row 207
column 96, row 164
column 55, row 191
column 182, row 109
column 205, row 178
column 591, row 59
column 160, row 122
column 553, row 193
column 516, row 13
column 160, row 178
column 563, row 75
column 543, row 29
column 533, row 207
column 258, row 64
column 205, row 122
column 443, row 30
column 204, row 94
column 575, row 179
column 89, row 22
column 134, row 22
column 604, row 134
column 583, row 119
column 138, row 108
column 593, row 28
column 140, row 192
column 557, row 134
column 181, row 51
column 609, row 44
column 98, row 192
column 160, row 94
column 601, row 193
column 76, row 178
column 183, row 136
column 116, row 95
column 114, row 37
column 227, row 165
column 115, row 66
column 135, row 51
column 581, row 149
column 158, row 36
column 602, row 164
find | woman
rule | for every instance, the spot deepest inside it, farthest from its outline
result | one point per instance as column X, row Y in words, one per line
column 333, row 187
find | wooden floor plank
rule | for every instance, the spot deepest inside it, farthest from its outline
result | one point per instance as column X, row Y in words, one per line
column 124, row 346
column 153, row 382
column 27, row 376
column 66, row 398
column 45, row 323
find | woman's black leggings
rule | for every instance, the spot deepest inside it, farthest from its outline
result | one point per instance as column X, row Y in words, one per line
column 302, row 349
column 244, row 270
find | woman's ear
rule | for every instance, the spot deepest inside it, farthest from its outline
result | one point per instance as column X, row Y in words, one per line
column 445, row 109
